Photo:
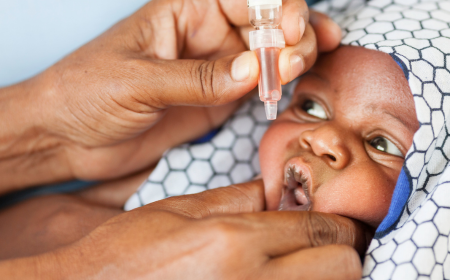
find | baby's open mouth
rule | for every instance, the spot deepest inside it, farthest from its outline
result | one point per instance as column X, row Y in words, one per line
column 295, row 195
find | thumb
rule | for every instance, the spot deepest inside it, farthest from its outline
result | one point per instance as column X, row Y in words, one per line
column 242, row 198
column 201, row 82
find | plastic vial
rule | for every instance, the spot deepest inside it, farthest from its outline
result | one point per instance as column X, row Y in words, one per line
column 267, row 41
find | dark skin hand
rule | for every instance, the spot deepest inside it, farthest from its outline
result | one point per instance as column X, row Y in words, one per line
column 189, row 230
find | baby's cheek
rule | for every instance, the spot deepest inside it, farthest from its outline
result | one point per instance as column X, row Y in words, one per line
column 359, row 194
column 273, row 153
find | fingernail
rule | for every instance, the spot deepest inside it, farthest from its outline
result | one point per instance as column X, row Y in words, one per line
column 297, row 66
column 302, row 26
column 240, row 69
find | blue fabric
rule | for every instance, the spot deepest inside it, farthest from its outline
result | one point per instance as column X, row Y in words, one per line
column 401, row 64
column 207, row 137
column 399, row 199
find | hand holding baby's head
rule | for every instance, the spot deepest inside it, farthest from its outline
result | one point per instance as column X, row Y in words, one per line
column 340, row 145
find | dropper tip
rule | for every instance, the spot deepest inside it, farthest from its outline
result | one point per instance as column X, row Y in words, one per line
column 271, row 109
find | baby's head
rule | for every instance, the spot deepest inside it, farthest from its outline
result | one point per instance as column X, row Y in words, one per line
column 339, row 146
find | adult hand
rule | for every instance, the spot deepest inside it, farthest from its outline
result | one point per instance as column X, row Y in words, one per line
column 89, row 116
column 196, row 237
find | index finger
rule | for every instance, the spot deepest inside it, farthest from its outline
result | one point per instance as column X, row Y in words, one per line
column 242, row 198
column 295, row 17
column 284, row 232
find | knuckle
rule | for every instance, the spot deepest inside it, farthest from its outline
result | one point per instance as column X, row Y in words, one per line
column 193, row 206
column 203, row 72
column 320, row 230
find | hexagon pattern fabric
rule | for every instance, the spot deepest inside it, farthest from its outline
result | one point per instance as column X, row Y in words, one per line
column 413, row 241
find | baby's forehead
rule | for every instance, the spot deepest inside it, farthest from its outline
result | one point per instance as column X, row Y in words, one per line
column 360, row 74
column 360, row 82
column 358, row 63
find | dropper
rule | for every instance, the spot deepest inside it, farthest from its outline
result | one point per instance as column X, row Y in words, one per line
column 267, row 41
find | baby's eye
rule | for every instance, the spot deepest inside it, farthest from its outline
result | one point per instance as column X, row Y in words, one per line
column 384, row 145
column 314, row 109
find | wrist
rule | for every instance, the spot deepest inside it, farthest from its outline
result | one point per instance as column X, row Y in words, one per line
column 29, row 153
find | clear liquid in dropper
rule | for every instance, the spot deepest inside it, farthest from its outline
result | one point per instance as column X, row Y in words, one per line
column 269, row 78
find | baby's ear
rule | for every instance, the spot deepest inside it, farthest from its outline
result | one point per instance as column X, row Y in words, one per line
column 401, row 64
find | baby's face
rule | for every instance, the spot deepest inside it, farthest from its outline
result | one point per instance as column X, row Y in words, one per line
column 340, row 145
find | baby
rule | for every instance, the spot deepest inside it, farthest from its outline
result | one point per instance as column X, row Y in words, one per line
column 340, row 145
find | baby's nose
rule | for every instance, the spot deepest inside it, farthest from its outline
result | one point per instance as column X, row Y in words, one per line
column 328, row 142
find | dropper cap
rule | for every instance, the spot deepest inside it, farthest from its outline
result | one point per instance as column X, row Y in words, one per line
column 271, row 109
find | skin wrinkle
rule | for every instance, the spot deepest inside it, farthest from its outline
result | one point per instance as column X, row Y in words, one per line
column 313, row 235
column 109, row 112
column 140, row 112
column 99, row 135
column 82, row 110
column 45, row 160
column 145, row 96
column 97, row 125
column 203, row 70
column 212, row 80
column 32, row 148
column 22, row 164
column 127, row 81
column 70, row 126
column 34, row 144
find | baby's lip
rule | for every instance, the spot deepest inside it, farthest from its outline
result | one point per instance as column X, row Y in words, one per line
column 297, row 185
